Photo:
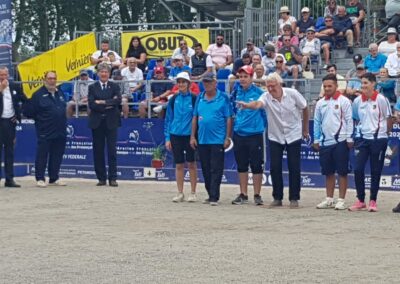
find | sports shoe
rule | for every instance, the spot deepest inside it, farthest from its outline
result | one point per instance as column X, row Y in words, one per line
column 350, row 50
column 294, row 204
column 396, row 209
column 214, row 203
column 178, row 198
column 192, row 197
column 372, row 206
column 326, row 204
column 275, row 203
column 41, row 183
column 206, row 201
column 357, row 206
column 241, row 199
column 258, row 200
column 57, row 183
column 340, row 205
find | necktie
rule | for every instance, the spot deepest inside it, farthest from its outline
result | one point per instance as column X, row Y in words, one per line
column 104, row 87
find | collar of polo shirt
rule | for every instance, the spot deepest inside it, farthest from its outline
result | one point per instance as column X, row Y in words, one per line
column 335, row 96
column 364, row 98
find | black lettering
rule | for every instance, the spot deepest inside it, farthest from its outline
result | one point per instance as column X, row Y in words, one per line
column 172, row 43
column 151, row 44
column 162, row 45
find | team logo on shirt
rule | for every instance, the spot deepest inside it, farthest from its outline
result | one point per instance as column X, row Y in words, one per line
column 336, row 106
column 373, row 106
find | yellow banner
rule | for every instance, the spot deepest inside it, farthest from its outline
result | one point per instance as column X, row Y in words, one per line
column 162, row 43
column 66, row 60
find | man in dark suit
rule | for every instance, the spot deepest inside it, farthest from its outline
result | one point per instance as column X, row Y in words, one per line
column 104, row 120
column 10, row 112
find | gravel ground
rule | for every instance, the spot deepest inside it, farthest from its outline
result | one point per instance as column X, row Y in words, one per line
column 135, row 234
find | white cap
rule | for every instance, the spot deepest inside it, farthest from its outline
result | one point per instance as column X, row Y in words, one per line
column 305, row 10
column 392, row 31
column 183, row 75
column 177, row 57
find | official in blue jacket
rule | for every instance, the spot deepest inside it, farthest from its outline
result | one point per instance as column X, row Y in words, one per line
column 177, row 130
column 48, row 108
column 248, row 130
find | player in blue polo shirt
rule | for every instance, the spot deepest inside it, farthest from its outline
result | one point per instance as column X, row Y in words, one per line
column 372, row 115
column 333, row 128
column 212, row 117
column 249, row 126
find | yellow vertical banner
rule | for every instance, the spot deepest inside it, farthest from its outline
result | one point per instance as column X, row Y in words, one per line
column 162, row 43
column 66, row 60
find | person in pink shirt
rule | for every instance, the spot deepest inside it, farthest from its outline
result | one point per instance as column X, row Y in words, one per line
column 221, row 53
column 287, row 30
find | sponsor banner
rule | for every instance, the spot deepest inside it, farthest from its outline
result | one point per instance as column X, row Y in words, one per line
column 66, row 60
column 162, row 43
column 6, row 27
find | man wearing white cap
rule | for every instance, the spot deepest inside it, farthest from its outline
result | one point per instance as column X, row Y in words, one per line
column 286, row 19
column 179, row 67
column 304, row 23
column 389, row 46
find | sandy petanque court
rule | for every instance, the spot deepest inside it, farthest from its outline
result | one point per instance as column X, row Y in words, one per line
column 135, row 234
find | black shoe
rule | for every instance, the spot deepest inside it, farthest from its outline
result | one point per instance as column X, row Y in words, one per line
column 294, row 204
column 275, row 203
column 11, row 184
column 396, row 209
column 350, row 50
column 113, row 183
column 240, row 199
column 101, row 183
column 258, row 200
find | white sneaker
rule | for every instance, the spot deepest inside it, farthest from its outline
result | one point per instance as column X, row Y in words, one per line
column 326, row 204
column 192, row 197
column 41, row 183
column 57, row 183
column 178, row 198
column 214, row 203
column 340, row 205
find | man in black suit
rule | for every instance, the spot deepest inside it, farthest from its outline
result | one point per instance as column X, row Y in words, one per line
column 10, row 112
column 104, row 120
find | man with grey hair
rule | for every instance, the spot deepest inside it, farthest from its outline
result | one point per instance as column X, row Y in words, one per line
column 393, row 62
column 343, row 27
column 104, row 120
column 285, row 107
column 374, row 61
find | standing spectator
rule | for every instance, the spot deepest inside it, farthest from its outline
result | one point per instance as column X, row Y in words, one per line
column 177, row 130
column 250, row 48
column 343, row 28
column 331, row 8
column 248, row 131
column 133, row 74
column 356, row 11
column 221, row 53
column 333, row 129
column 284, row 107
column 101, row 55
column 185, row 51
column 200, row 62
column 374, row 61
column 340, row 81
column 326, row 36
column 387, row 86
column 268, row 60
column 104, row 120
column 372, row 115
column 287, row 31
column 389, row 46
column 285, row 19
column 212, row 117
column 81, row 91
column 393, row 62
column 310, row 47
column 136, row 50
column 10, row 113
column 304, row 23
column 178, row 68
column 353, row 89
column 293, row 57
column 48, row 108
column 357, row 60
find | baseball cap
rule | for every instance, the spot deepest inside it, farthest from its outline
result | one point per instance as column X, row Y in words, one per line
column 84, row 72
column 360, row 66
column 247, row 69
column 183, row 75
column 177, row 57
column 310, row 29
column 250, row 41
column 357, row 58
column 391, row 31
column 269, row 47
column 208, row 77
column 305, row 10
column 158, row 70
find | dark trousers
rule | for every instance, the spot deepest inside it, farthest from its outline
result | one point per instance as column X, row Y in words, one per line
column 375, row 150
column 212, row 166
column 394, row 21
column 293, row 160
column 49, row 152
column 101, row 136
column 7, row 136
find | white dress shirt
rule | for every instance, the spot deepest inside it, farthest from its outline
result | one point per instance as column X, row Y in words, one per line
column 393, row 64
column 8, row 107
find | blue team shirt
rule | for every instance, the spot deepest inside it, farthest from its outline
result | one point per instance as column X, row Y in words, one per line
column 374, row 64
column 176, row 70
column 211, row 118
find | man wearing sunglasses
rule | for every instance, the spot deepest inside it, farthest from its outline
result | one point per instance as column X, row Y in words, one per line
column 221, row 53
column 293, row 57
column 326, row 36
column 268, row 60
column 185, row 51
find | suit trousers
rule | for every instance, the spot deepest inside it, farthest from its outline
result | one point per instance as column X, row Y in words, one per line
column 101, row 136
column 49, row 152
column 7, row 136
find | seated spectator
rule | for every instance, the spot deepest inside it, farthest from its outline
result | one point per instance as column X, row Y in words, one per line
column 221, row 53
column 80, row 96
column 353, row 89
column 293, row 57
column 125, row 91
column 200, row 62
column 392, row 10
column 268, row 60
column 133, row 73
column 357, row 59
column 136, row 50
column 287, row 31
column 343, row 28
column 250, row 48
column 304, row 23
column 280, row 66
column 387, row 86
column 185, row 51
column 393, row 63
column 286, row 19
column 255, row 60
column 259, row 76
column 113, row 61
column 101, row 55
column 245, row 60
column 389, row 46
column 178, row 67
column 356, row 11
column 374, row 61
column 159, row 92
column 332, row 69
column 331, row 8
column 326, row 36
column 310, row 46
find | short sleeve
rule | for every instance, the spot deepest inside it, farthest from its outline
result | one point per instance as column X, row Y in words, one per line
column 263, row 98
column 300, row 101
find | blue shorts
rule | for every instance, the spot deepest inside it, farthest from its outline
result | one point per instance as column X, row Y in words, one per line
column 334, row 158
